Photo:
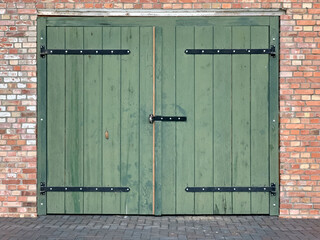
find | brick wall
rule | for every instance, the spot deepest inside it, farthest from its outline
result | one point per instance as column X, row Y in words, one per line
column 300, row 110
column 299, row 97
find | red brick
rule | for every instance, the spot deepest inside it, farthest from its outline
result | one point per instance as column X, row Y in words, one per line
column 306, row 22
column 11, row 181
column 29, row 181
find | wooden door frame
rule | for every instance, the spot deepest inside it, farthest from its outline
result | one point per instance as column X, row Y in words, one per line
column 257, row 12
column 42, row 24
column 41, row 116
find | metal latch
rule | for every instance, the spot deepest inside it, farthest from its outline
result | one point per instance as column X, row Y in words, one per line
column 153, row 118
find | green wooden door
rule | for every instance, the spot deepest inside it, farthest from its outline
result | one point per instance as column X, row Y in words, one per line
column 226, row 140
column 87, row 96
column 93, row 115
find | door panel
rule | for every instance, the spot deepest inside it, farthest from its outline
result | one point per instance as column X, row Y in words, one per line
column 184, row 130
column 145, row 144
column 130, row 118
column 259, row 120
column 56, row 121
column 74, row 120
column 222, row 131
column 203, row 114
column 241, row 118
column 167, row 106
column 111, row 120
column 93, row 132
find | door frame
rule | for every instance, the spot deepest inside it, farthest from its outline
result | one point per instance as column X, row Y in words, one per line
column 43, row 22
column 257, row 12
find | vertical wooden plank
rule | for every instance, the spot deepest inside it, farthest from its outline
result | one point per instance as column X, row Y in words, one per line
column 111, row 120
column 222, row 124
column 168, row 100
column 259, row 120
column 203, row 120
column 42, row 115
column 274, row 115
column 153, row 113
column 129, row 120
column 74, row 120
column 184, row 130
column 93, row 133
column 146, row 145
column 158, row 127
column 241, row 119
column 56, row 120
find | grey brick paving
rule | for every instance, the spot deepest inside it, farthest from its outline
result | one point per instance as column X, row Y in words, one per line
column 72, row 227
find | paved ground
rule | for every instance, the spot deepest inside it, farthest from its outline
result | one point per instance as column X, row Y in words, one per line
column 167, row 228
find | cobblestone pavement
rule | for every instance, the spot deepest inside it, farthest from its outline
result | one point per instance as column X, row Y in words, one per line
column 67, row 227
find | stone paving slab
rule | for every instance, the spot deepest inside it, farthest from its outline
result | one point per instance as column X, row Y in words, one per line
column 74, row 227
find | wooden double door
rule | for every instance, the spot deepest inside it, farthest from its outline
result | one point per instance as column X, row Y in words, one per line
column 100, row 79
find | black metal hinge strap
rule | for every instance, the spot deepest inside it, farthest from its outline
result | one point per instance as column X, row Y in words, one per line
column 271, row 51
column 44, row 51
column 44, row 189
column 153, row 118
column 271, row 189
